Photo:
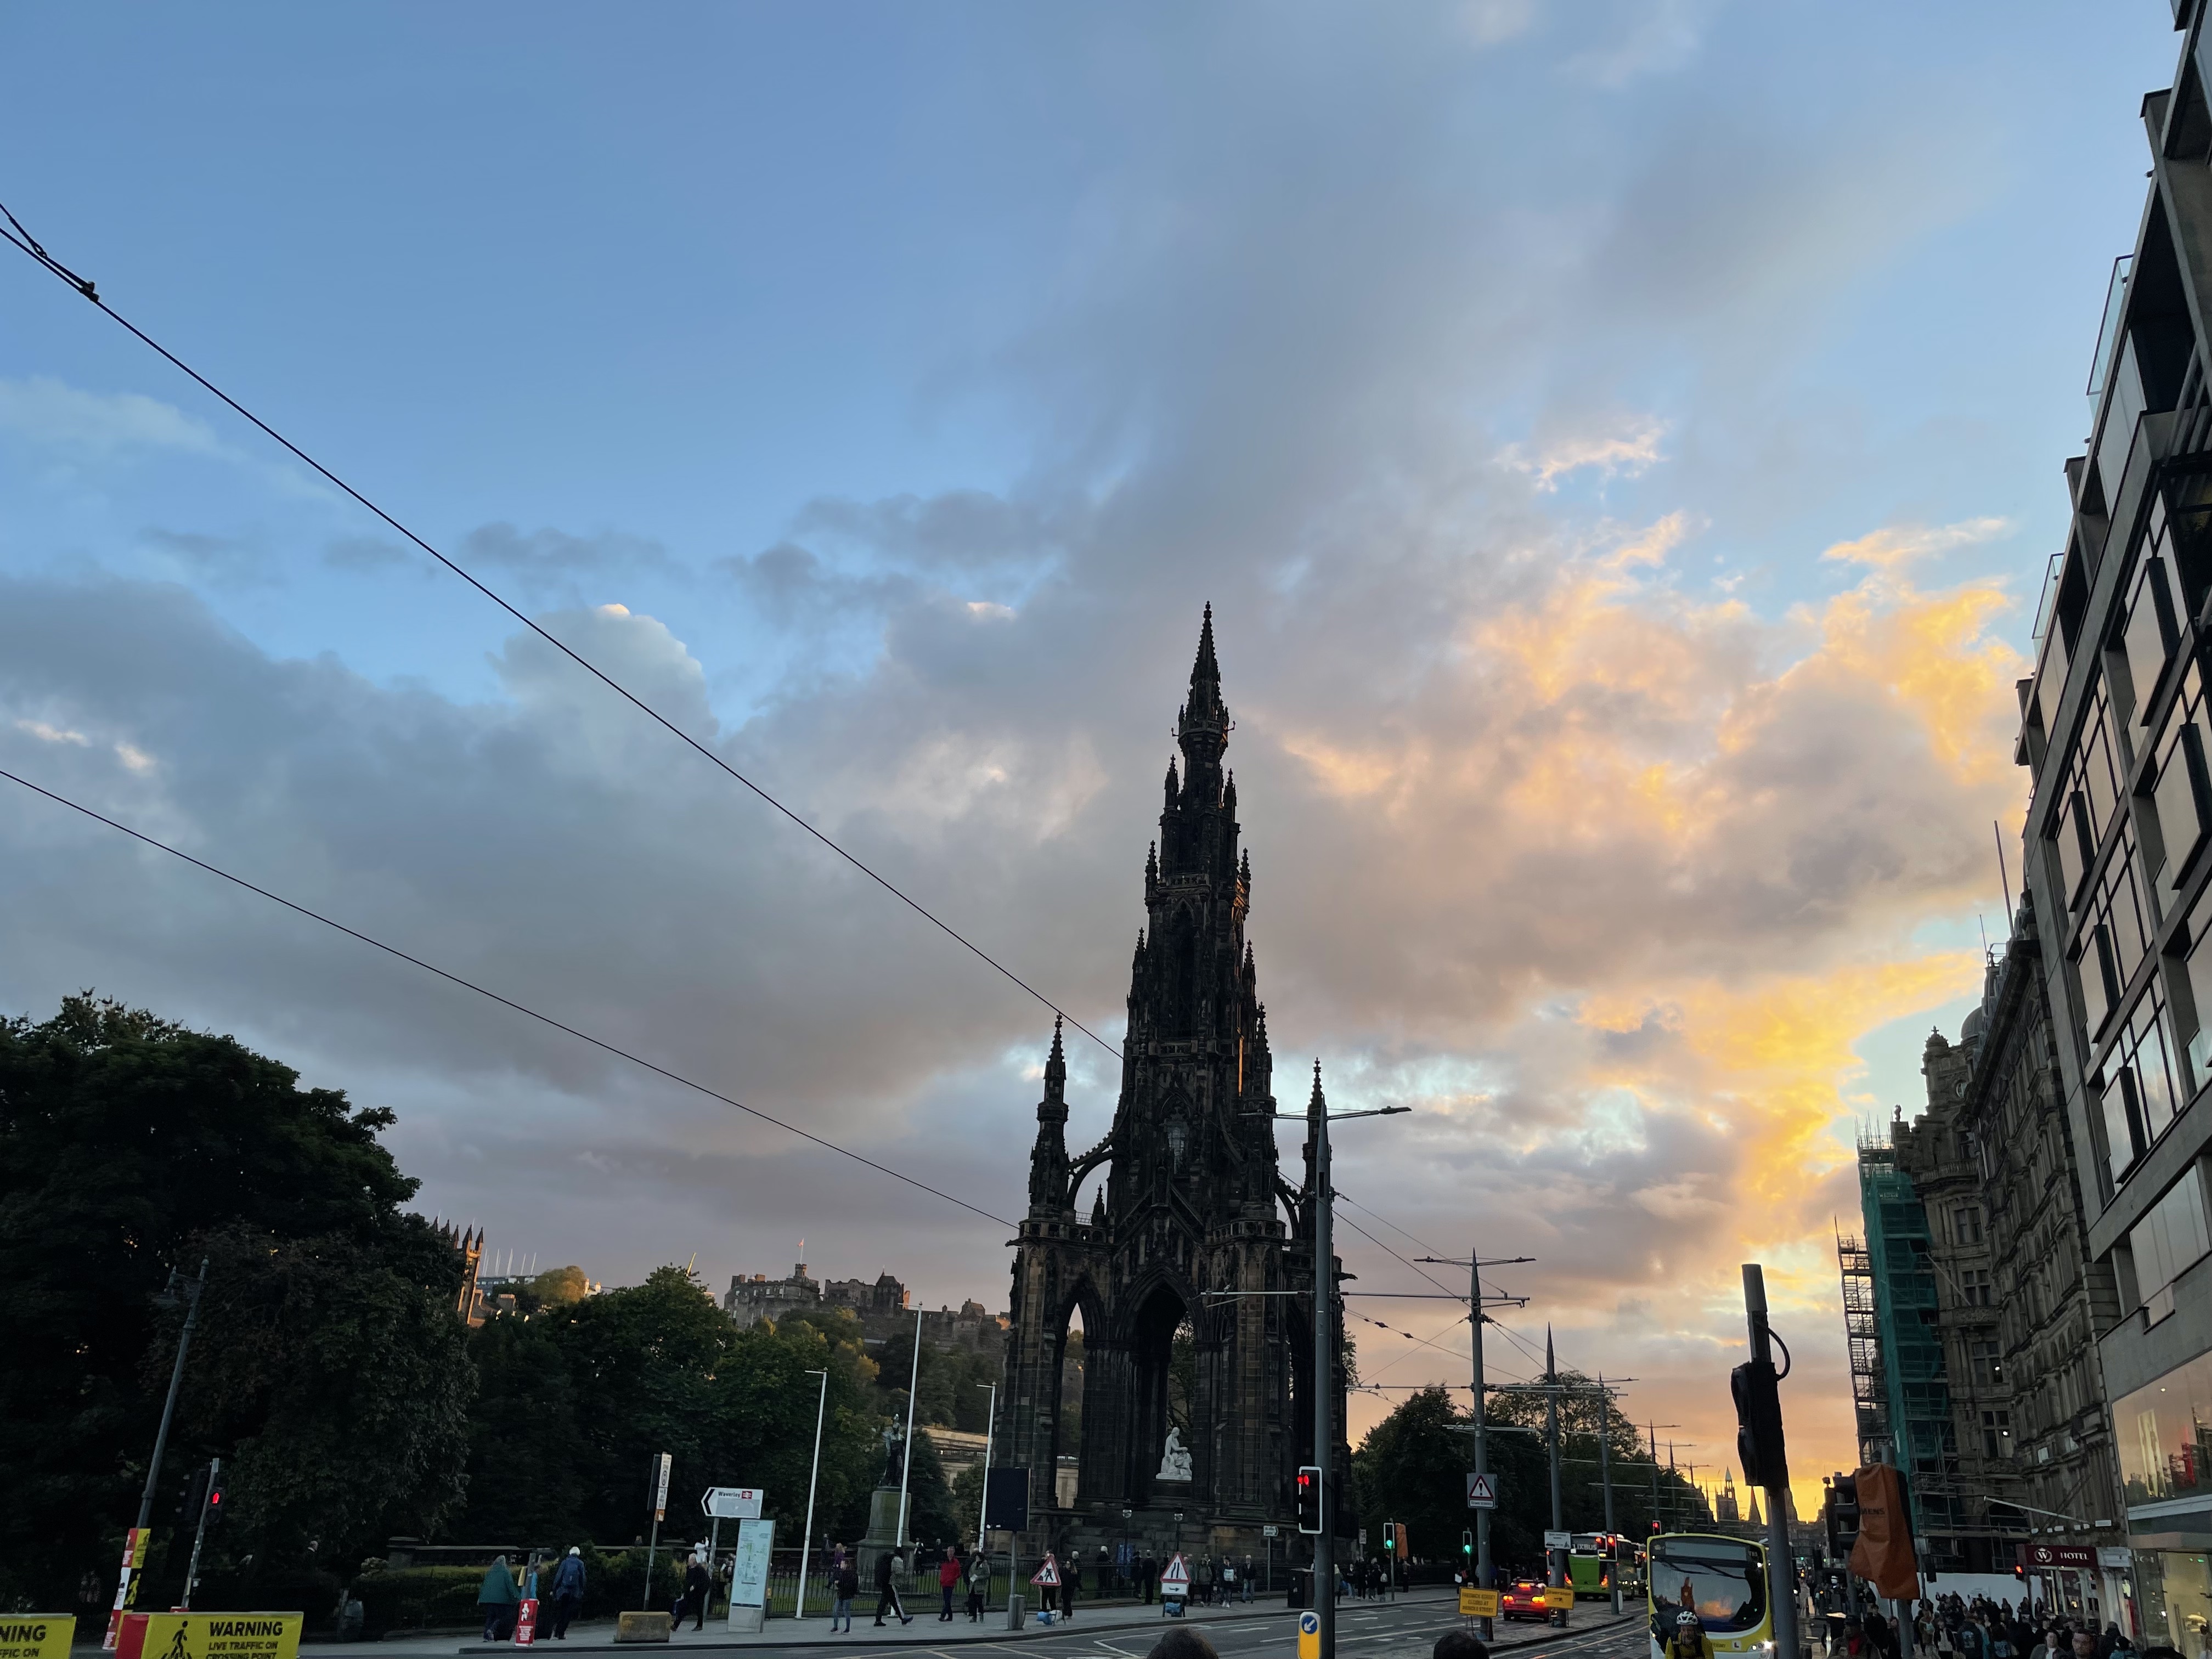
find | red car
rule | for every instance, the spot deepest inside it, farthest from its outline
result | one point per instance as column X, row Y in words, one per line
column 1523, row 1599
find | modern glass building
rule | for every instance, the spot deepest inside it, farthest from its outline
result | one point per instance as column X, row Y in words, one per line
column 2116, row 732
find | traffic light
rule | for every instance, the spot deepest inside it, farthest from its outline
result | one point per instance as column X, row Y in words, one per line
column 1759, row 1423
column 1310, row 1498
column 1841, row 1518
column 1467, row 1543
column 214, row 1504
column 192, row 1498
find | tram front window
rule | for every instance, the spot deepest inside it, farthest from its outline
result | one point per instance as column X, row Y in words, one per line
column 1724, row 1582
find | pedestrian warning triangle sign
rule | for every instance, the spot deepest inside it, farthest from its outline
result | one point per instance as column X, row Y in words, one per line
column 1481, row 1491
column 1048, row 1575
column 1178, row 1570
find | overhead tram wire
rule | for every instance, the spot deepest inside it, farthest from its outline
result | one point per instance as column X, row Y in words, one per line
column 452, row 978
column 22, row 240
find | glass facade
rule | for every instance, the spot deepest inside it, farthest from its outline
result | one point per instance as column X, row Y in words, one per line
column 2166, row 1242
column 2174, row 1598
column 2164, row 1432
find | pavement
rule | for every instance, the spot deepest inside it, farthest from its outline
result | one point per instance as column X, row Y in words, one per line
column 1404, row 1628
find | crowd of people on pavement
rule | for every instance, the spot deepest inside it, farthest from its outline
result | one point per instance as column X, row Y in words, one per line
column 1951, row 1626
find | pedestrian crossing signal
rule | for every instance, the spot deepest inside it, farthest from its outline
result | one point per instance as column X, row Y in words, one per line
column 1466, row 1541
column 1310, row 1498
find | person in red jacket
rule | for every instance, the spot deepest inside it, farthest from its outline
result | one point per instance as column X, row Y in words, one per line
column 948, row 1580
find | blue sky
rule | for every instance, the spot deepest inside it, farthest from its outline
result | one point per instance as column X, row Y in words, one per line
column 1501, row 371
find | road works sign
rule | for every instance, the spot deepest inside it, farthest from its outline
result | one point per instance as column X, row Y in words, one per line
column 1048, row 1575
column 1477, row 1603
column 210, row 1636
column 1175, row 1581
column 36, row 1635
column 1481, row 1491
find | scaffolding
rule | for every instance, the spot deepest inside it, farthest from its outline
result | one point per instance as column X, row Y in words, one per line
column 1916, row 1392
column 1862, row 1337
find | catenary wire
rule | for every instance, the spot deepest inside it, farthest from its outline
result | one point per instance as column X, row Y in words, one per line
column 504, row 1002
column 22, row 240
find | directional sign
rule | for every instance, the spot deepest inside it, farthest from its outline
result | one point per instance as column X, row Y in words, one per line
column 731, row 1503
column 1175, row 1581
column 1558, row 1540
column 1481, row 1491
column 1048, row 1575
column 1270, row 1531
column 660, row 1463
column 1309, row 1635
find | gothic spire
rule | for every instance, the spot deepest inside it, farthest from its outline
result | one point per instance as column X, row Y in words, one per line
column 1055, row 1067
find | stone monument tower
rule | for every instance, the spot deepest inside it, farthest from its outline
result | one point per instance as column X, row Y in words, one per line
column 1192, row 1229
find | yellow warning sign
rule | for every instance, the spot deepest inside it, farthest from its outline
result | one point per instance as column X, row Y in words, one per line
column 1560, row 1598
column 36, row 1635
column 1477, row 1603
column 221, row 1635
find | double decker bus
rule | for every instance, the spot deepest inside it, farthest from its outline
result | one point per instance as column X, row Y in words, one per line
column 1721, row 1579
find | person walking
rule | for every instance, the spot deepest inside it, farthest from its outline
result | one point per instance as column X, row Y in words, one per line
column 844, row 1585
column 1070, row 1582
column 501, row 1599
column 568, row 1591
column 888, row 1569
column 1147, row 1577
column 698, row 1583
column 1244, row 1580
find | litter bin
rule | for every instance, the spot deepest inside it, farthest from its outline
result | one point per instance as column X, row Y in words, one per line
column 1301, row 1588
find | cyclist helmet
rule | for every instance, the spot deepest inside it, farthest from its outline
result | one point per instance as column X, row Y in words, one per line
column 1685, row 1617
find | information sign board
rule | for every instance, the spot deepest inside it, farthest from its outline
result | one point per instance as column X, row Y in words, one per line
column 748, row 1577
column 1477, row 1603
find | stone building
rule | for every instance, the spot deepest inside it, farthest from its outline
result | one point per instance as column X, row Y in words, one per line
column 880, row 1303
column 2019, row 1302
column 1191, row 1211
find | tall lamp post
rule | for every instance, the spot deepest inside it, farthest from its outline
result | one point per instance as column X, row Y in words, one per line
column 807, row 1539
column 984, row 1503
column 906, row 1457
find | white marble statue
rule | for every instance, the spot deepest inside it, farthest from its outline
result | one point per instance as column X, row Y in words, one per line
column 1175, row 1461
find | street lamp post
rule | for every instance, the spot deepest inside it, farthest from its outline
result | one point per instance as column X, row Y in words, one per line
column 906, row 1457
column 984, row 1503
column 807, row 1539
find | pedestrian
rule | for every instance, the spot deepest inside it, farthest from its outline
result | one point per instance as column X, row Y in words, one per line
column 1148, row 1575
column 698, row 1583
column 568, row 1591
column 1181, row 1641
column 948, row 1580
column 1228, row 1581
column 1244, row 1582
column 501, row 1598
column 978, row 1584
column 844, row 1585
column 1459, row 1644
column 888, row 1569
column 1070, row 1582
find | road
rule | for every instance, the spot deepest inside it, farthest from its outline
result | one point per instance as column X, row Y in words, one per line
column 1404, row 1629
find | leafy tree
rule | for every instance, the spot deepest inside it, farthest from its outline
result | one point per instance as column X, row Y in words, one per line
column 1409, row 1468
column 929, row 1516
column 331, row 1374
column 528, row 1456
column 128, row 1140
column 558, row 1286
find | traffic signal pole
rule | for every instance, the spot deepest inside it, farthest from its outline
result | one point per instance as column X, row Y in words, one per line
column 199, row 1532
column 1605, row 1473
column 1482, row 1580
column 1773, row 1471
column 1324, row 1327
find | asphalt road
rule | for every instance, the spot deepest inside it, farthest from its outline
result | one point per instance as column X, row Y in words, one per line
column 1405, row 1629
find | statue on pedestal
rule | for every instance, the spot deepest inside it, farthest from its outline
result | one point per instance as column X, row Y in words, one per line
column 894, row 1458
column 1175, row 1461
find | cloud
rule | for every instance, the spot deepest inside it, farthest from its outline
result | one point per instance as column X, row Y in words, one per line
column 1894, row 547
column 1628, row 449
column 95, row 426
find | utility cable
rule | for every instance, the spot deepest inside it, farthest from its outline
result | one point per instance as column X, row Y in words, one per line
column 504, row 1002
column 22, row 240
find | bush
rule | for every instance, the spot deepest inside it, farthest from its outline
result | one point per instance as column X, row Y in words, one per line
column 291, row 1589
column 418, row 1598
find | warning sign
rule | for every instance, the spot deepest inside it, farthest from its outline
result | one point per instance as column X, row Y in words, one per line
column 1175, row 1579
column 1477, row 1603
column 525, row 1623
column 1048, row 1575
column 210, row 1636
column 1558, row 1598
column 36, row 1635
column 1481, row 1491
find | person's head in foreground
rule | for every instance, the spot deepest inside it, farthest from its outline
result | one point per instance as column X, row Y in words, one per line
column 1459, row 1644
column 1182, row 1643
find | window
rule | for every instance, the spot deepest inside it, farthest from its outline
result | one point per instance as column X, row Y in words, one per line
column 1987, row 1366
column 2089, row 793
column 2151, row 631
column 1966, row 1224
column 1997, row 1434
column 2167, row 1242
column 2114, row 905
column 2165, row 1434
column 1974, row 1285
column 2140, row 1096
column 2181, row 795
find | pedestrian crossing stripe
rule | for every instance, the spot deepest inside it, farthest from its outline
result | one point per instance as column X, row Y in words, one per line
column 1178, row 1570
column 1048, row 1575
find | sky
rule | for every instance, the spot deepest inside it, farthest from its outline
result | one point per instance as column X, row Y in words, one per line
column 1620, row 441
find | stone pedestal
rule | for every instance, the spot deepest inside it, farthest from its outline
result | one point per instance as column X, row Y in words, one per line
column 882, row 1536
column 748, row 1620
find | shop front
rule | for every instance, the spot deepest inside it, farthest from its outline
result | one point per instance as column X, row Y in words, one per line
column 2165, row 1434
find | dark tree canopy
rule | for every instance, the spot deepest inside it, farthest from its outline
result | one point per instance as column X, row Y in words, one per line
column 127, row 1144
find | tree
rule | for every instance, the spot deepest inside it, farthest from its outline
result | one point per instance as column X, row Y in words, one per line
column 930, row 1517
column 330, row 1373
column 131, row 1140
column 528, row 1456
column 1410, row 1468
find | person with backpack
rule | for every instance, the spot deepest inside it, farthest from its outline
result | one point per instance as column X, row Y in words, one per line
column 568, row 1591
